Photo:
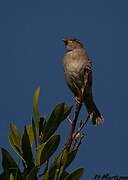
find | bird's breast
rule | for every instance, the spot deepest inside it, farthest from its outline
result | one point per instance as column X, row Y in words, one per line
column 73, row 66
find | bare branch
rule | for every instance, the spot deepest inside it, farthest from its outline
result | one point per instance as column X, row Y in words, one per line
column 73, row 125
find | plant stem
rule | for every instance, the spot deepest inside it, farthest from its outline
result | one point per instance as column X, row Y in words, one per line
column 73, row 126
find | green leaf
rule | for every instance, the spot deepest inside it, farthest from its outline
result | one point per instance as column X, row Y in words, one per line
column 9, row 165
column 30, row 134
column 7, row 161
column 49, row 148
column 53, row 172
column 35, row 106
column 45, row 177
column 75, row 175
column 34, row 132
column 15, row 148
column 38, row 154
column 57, row 173
column 67, row 110
column 32, row 174
column 54, row 121
column 64, row 174
column 41, row 124
column 11, row 177
column 15, row 139
column 15, row 136
column 50, row 173
column 41, row 129
column 45, row 151
column 26, row 148
column 63, row 160
column 71, row 157
column 3, row 176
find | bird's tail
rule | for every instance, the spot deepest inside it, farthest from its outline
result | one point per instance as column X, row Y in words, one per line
column 93, row 111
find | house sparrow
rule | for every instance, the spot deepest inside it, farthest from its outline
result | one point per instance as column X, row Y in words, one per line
column 78, row 75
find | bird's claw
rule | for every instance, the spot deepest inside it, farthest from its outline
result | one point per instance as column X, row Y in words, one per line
column 78, row 100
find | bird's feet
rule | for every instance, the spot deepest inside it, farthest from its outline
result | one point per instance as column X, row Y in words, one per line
column 78, row 100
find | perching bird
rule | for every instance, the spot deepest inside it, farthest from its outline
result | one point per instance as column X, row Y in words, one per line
column 78, row 75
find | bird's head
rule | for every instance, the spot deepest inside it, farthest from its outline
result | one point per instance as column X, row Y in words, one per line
column 72, row 43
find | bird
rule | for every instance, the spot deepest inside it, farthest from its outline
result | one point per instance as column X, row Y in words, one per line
column 78, row 75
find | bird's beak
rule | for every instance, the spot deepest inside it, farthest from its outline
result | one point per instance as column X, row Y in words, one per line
column 65, row 40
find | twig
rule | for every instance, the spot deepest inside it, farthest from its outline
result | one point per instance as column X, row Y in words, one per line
column 70, row 121
column 79, row 143
column 73, row 125
column 78, row 108
column 81, row 127
column 75, row 143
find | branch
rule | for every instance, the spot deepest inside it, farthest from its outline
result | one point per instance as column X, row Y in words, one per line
column 73, row 125
column 81, row 126
column 79, row 103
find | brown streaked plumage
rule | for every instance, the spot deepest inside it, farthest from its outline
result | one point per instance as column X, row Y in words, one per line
column 78, row 75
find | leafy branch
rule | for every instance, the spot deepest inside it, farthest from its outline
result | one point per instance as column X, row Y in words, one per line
column 37, row 144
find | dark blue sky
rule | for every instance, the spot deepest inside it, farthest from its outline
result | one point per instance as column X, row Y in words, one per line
column 31, row 51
